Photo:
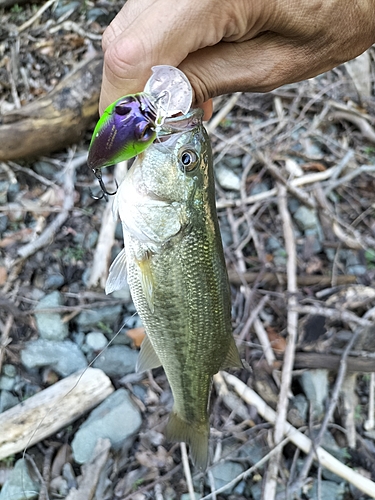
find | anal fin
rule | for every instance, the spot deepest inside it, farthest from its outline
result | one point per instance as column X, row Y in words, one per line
column 147, row 359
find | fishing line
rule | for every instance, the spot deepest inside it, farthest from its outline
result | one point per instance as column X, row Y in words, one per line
column 26, row 457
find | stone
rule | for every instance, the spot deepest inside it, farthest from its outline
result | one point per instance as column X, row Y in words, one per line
column 117, row 419
column 7, row 383
column 7, row 400
column 117, row 361
column 306, row 218
column 315, row 386
column 50, row 325
column 106, row 315
column 54, row 281
column 9, row 370
column 96, row 341
column 224, row 472
column 64, row 357
column 227, row 178
column 328, row 490
column 19, row 485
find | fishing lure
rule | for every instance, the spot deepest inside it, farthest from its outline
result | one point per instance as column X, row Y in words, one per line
column 131, row 124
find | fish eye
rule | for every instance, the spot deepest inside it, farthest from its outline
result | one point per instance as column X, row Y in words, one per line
column 188, row 160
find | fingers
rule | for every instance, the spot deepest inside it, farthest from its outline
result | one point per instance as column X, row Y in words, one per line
column 260, row 65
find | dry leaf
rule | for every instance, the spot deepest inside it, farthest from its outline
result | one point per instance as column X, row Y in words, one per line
column 137, row 335
column 314, row 166
column 277, row 342
column 23, row 236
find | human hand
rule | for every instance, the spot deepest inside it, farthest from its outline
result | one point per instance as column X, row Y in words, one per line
column 228, row 46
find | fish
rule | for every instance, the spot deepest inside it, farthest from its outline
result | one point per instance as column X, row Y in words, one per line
column 126, row 128
column 174, row 263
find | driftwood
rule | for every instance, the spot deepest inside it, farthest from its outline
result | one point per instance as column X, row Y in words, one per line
column 52, row 409
column 57, row 119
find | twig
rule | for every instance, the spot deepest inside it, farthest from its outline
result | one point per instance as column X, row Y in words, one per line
column 292, row 320
column 327, row 417
column 4, row 338
column 249, row 471
column 99, row 269
column 222, row 113
column 299, row 181
column 46, row 237
column 370, row 422
column 273, row 279
column 300, row 440
column 364, row 169
column 335, row 314
column 187, row 471
column 36, row 16
column 252, row 319
column 264, row 342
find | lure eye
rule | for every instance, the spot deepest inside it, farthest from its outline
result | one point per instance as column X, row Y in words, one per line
column 188, row 160
column 124, row 107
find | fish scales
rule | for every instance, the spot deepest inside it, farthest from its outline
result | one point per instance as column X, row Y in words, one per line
column 177, row 276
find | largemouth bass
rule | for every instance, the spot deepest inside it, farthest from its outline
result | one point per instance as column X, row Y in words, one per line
column 176, row 271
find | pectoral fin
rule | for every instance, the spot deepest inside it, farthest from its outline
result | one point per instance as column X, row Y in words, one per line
column 147, row 279
column 147, row 359
column 232, row 359
column 117, row 277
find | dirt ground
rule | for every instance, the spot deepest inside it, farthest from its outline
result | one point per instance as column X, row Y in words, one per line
column 295, row 195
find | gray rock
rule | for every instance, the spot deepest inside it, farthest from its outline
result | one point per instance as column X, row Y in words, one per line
column 224, row 472
column 301, row 405
column 7, row 383
column 19, row 485
column 63, row 357
column 50, row 325
column 306, row 218
column 7, row 400
column 54, row 281
column 315, row 387
column 272, row 244
column 3, row 222
column 186, row 496
column 117, row 419
column 107, row 315
column 329, row 490
column 96, row 341
column 117, row 361
column 259, row 187
column 227, row 178
column 9, row 370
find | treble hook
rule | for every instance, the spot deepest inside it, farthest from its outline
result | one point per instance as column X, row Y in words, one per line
column 105, row 193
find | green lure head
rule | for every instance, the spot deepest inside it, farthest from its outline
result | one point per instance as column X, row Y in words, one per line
column 127, row 127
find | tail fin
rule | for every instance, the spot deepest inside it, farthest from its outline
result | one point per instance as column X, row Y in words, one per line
column 195, row 435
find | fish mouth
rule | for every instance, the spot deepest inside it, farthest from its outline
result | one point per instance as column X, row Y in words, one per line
column 180, row 124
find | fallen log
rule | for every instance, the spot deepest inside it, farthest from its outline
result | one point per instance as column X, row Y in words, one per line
column 51, row 409
column 56, row 120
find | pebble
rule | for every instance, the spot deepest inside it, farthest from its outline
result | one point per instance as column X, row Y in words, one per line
column 224, row 472
column 96, row 341
column 64, row 357
column 117, row 361
column 7, row 383
column 227, row 178
column 259, row 187
column 50, row 325
column 186, row 496
column 306, row 218
column 107, row 315
column 19, row 485
column 54, row 281
column 315, row 386
column 7, row 400
column 327, row 490
column 104, row 422
column 9, row 370
column 3, row 223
